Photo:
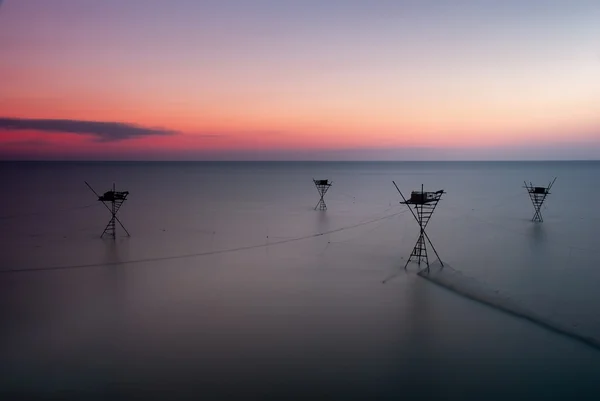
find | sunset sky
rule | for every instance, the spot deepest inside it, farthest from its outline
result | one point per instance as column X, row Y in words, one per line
column 299, row 80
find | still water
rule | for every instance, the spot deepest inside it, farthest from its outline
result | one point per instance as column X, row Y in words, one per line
column 232, row 286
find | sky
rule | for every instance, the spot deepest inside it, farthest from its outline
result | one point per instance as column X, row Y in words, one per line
column 299, row 80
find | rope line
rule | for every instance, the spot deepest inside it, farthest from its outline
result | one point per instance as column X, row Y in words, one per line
column 361, row 234
column 199, row 254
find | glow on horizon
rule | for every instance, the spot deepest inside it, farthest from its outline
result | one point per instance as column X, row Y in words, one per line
column 306, row 76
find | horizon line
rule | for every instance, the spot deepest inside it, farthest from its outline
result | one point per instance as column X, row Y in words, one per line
column 296, row 161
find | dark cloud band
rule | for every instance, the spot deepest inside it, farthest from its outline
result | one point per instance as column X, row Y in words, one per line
column 105, row 131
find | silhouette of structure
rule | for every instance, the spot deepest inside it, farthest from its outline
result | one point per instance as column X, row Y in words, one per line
column 424, row 204
column 322, row 186
column 538, row 196
column 116, row 200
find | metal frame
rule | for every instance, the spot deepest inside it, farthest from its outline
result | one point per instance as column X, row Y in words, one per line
column 538, row 196
column 116, row 200
column 322, row 188
column 425, row 208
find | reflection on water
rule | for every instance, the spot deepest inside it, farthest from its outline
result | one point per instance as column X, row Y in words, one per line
column 537, row 238
column 305, row 319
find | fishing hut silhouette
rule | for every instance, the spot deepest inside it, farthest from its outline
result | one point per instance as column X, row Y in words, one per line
column 115, row 199
column 424, row 204
column 538, row 195
column 322, row 187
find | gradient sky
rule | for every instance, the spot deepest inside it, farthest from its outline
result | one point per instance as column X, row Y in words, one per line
column 326, row 80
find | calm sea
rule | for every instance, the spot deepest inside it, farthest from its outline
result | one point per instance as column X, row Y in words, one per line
column 232, row 287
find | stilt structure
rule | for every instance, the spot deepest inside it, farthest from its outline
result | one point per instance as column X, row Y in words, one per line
column 116, row 200
column 424, row 204
column 322, row 186
column 538, row 196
